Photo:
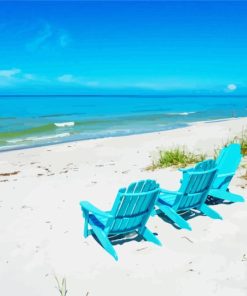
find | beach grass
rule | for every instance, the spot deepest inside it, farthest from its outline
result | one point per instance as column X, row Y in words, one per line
column 244, row 176
column 242, row 140
column 61, row 286
column 244, row 171
column 177, row 157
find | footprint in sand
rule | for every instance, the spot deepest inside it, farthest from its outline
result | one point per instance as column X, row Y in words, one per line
column 125, row 172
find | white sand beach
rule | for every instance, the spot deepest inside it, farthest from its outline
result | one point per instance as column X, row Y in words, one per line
column 41, row 224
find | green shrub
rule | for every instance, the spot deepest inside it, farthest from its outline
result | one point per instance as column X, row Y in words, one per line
column 176, row 157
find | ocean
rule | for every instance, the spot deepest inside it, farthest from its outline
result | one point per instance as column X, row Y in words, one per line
column 28, row 121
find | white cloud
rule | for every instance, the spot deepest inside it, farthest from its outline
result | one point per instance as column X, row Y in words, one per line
column 67, row 78
column 9, row 77
column 29, row 76
column 63, row 39
column 47, row 36
column 146, row 85
column 13, row 77
column 9, row 73
column 92, row 83
column 231, row 87
column 41, row 38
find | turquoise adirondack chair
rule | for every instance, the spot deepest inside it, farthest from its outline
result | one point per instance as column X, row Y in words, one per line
column 192, row 194
column 130, row 212
column 227, row 164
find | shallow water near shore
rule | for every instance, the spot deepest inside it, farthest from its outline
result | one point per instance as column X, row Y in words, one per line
column 41, row 120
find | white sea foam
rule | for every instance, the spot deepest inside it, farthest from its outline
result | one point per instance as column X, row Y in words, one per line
column 15, row 141
column 117, row 131
column 48, row 137
column 181, row 113
column 6, row 147
column 63, row 124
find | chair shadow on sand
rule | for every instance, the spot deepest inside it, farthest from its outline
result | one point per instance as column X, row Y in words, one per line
column 121, row 239
column 213, row 201
column 190, row 214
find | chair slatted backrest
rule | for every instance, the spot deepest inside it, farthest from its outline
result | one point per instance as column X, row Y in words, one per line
column 195, row 185
column 227, row 162
column 133, row 206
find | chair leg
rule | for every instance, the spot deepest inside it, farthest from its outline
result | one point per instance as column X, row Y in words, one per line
column 175, row 217
column 105, row 242
column 86, row 232
column 149, row 236
column 210, row 212
column 226, row 195
column 153, row 212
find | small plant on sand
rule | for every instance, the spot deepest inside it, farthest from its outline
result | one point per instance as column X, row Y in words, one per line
column 228, row 142
column 244, row 176
column 176, row 157
column 61, row 286
column 244, row 170
column 242, row 140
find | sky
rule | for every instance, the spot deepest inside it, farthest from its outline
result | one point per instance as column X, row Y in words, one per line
column 123, row 47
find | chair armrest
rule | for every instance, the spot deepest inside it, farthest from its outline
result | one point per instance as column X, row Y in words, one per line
column 185, row 169
column 88, row 207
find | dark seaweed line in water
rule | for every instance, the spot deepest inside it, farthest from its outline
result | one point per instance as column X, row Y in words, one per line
column 27, row 132
column 77, row 137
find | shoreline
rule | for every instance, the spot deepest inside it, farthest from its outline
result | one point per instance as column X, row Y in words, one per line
column 186, row 125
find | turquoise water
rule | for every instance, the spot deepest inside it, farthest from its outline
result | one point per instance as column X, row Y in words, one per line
column 41, row 120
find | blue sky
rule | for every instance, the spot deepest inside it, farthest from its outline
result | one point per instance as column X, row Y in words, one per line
column 123, row 47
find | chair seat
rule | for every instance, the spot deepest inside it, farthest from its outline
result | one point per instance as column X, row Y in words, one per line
column 167, row 199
